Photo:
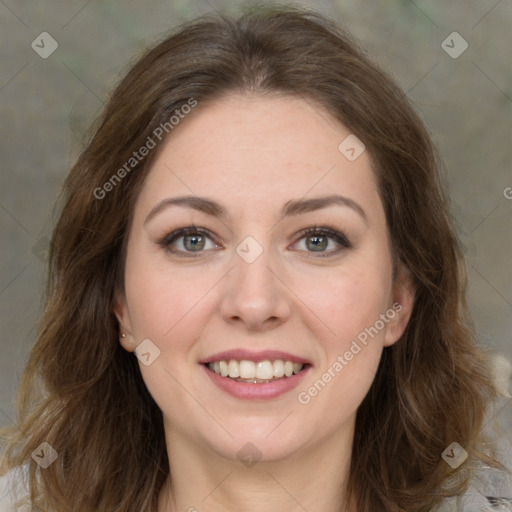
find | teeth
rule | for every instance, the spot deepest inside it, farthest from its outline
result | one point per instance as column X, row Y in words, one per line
column 233, row 369
column 224, row 369
column 249, row 371
column 264, row 370
column 278, row 367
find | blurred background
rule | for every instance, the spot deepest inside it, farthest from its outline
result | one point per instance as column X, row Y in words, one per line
column 59, row 61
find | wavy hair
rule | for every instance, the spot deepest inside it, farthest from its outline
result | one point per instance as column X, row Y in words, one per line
column 84, row 394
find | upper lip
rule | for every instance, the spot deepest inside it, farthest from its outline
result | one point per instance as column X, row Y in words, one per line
column 240, row 354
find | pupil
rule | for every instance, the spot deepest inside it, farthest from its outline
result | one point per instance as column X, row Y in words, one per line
column 319, row 242
column 196, row 242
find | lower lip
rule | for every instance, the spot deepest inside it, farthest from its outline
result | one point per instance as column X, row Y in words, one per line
column 262, row 391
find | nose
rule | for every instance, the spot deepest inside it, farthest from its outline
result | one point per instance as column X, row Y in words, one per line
column 255, row 296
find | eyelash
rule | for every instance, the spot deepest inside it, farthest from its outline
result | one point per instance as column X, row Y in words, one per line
column 327, row 231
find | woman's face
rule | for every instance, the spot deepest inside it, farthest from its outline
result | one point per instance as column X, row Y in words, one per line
column 250, row 286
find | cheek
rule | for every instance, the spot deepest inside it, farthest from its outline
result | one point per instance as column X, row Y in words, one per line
column 352, row 304
column 350, row 357
column 163, row 301
column 347, row 301
column 168, row 307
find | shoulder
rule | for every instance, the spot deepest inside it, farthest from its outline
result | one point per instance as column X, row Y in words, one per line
column 14, row 494
column 490, row 488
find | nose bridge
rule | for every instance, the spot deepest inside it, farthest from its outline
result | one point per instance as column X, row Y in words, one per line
column 254, row 294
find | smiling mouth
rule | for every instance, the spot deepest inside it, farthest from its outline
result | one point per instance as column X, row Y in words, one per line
column 261, row 372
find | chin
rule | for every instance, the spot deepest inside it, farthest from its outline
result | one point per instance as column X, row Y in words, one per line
column 260, row 440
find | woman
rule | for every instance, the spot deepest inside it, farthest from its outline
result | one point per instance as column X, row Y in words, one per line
column 255, row 291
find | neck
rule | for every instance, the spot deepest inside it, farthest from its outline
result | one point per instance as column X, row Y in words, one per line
column 311, row 479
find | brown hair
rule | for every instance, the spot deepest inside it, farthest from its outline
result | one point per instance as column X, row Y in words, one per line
column 94, row 408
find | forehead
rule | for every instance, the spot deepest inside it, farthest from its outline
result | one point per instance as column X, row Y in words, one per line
column 249, row 149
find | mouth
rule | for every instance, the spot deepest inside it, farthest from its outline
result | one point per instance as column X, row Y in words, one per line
column 256, row 376
column 256, row 372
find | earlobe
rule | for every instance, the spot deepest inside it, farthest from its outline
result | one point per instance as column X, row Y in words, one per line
column 127, row 342
column 120, row 309
column 402, row 305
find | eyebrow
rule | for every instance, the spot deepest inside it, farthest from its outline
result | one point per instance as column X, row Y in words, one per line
column 292, row 207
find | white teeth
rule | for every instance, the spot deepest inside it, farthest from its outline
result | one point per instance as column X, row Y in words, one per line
column 278, row 367
column 233, row 369
column 247, row 369
column 262, row 370
column 224, row 370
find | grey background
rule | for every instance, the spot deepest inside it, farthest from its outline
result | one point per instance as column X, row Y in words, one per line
column 47, row 104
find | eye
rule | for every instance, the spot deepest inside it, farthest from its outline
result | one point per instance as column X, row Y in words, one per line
column 189, row 240
column 324, row 241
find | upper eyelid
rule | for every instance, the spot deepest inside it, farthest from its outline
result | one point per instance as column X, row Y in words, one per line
column 176, row 234
column 328, row 231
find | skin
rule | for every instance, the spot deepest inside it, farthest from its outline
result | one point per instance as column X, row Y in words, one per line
column 253, row 155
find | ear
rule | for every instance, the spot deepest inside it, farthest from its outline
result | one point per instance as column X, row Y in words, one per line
column 122, row 313
column 402, row 305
